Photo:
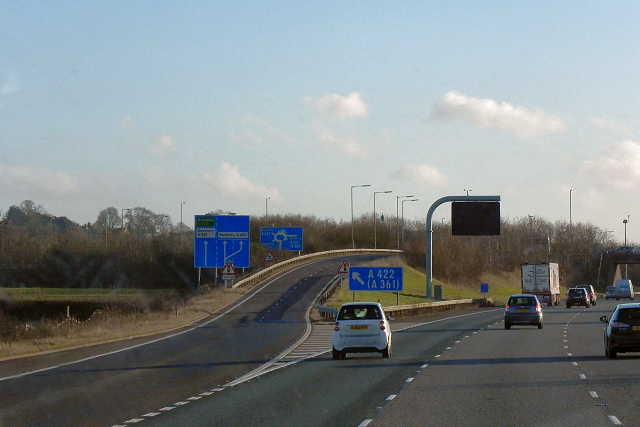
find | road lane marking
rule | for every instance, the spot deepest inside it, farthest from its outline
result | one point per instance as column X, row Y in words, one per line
column 391, row 397
column 593, row 394
column 408, row 380
column 365, row 423
column 582, row 376
column 615, row 420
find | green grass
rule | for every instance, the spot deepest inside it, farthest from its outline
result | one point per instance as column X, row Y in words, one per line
column 60, row 293
column 415, row 289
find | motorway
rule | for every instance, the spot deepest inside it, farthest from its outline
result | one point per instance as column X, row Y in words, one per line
column 239, row 369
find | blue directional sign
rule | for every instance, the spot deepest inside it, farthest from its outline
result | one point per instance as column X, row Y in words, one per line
column 221, row 240
column 282, row 238
column 375, row 279
column 484, row 288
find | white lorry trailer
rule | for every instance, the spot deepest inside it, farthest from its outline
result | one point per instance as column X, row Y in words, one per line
column 542, row 280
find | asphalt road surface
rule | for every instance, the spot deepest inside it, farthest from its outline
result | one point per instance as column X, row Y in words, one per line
column 106, row 385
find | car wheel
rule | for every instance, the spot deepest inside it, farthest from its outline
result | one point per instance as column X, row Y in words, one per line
column 337, row 354
column 588, row 306
column 594, row 303
column 386, row 353
column 612, row 354
column 568, row 305
column 507, row 325
column 540, row 325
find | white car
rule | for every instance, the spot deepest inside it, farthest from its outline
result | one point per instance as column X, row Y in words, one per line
column 361, row 327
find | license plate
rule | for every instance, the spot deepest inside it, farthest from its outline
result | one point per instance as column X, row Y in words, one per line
column 522, row 310
column 359, row 327
column 636, row 328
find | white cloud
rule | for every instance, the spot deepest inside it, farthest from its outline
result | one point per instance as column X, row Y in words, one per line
column 422, row 175
column 503, row 116
column 41, row 182
column 161, row 145
column 228, row 182
column 349, row 145
column 612, row 126
column 126, row 123
column 257, row 131
column 337, row 106
column 617, row 167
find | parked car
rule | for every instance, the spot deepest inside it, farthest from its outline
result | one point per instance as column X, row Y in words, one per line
column 361, row 327
column 523, row 309
column 624, row 289
column 593, row 299
column 622, row 333
column 578, row 296
column 610, row 292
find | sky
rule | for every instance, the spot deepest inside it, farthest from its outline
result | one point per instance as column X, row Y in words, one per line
column 283, row 106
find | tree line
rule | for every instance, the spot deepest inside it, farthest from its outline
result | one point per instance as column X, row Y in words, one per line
column 137, row 248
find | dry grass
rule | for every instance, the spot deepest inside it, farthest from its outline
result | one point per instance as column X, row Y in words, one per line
column 108, row 325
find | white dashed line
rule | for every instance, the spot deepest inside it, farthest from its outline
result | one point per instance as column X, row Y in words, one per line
column 365, row 423
column 408, row 380
column 615, row 420
column 593, row 394
column 582, row 376
column 391, row 397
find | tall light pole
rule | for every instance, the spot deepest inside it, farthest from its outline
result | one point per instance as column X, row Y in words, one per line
column 122, row 226
column 266, row 207
column 106, row 230
column 375, row 219
column 570, row 219
column 398, row 218
column 625, row 221
column 181, row 223
column 410, row 200
column 353, row 242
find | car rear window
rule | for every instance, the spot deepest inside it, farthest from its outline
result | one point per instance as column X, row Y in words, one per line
column 576, row 292
column 629, row 314
column 522, row 301
column 355, row 312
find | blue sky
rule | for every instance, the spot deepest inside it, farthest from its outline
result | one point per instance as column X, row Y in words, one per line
column 225, row 104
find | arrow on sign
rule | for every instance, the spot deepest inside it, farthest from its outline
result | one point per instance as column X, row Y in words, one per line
column 356, row 276
column 205, row 252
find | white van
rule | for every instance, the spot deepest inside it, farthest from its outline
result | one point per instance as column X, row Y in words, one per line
column 624, row 289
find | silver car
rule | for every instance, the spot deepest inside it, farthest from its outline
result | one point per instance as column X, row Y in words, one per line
column 523, row 309
column 361, row 327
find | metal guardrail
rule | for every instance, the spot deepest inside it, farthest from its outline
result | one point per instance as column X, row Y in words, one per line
column 284, row 265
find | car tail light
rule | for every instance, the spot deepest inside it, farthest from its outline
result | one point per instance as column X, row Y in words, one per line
column 506, row 307
column 616, row 324
column 537, row 308
column 337, row 327
column 382, row 327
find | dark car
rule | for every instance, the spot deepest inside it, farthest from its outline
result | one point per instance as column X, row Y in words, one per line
column 622, row 333
column 523, row 309
column 578, row 296
column 592, row 293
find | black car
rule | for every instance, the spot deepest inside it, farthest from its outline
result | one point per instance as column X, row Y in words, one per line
column 622, row 333
column 578, row 296
column 592, row 293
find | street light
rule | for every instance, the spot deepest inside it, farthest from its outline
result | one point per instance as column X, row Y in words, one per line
column 181, row 223
column 625, row 221
column 266, row 207
column 410, row 200
column 353, row 242
column 375, row 219
column 122, row 226
column 398, row 218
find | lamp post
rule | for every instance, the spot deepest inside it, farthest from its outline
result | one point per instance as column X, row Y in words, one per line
column 181, row 223
column 375, row 219
column 122, row 226
column 625, row 221
column 410, row 200
column 353, row 242
column 106, row 230
column 266, row 207
column 398, row 218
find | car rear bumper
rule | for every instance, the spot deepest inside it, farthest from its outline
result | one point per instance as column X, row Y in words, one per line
column 523, row 319
column 360, row 344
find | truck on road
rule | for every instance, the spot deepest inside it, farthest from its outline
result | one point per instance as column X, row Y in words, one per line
column 542, row 280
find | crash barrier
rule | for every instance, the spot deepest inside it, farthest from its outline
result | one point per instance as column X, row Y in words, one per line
column 284, row 265
column 418, row 309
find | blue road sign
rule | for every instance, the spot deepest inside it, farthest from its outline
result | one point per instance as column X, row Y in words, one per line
column 375, row 279
column 282, row 238
column 221, row 240
column 484, row 288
